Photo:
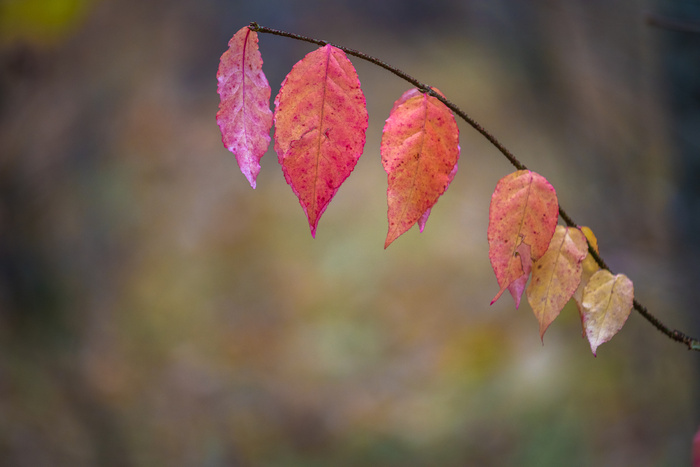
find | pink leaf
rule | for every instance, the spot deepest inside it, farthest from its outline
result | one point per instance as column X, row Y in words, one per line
column 244, row 115
column 420, row 150
column 320, row 120
column 523, row 209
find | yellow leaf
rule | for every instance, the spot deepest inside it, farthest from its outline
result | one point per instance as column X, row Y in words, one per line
column 590, row 267
column 606, row 304
column 556, row 275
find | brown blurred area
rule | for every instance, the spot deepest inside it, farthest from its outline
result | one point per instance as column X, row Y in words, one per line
column 154, row 310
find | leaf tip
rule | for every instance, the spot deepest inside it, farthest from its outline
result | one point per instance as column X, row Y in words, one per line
column 251, row 180
column 498, row 295
column 594, row 343
column 543, row 328
column 249, row 169
column 423, row 219
column 392, row 235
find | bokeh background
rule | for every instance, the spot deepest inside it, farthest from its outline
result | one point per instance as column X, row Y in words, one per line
column 157, row 311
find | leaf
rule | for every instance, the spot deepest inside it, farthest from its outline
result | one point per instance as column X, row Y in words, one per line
column 320, row 119
column 556, row 275
column 590, row 266
column 607, row 302
column 524, row 210
column 420, row 150
column 244, row 115
column 696, row 449
column 517, row 287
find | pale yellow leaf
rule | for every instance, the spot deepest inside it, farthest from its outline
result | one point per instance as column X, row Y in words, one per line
column 556, row 275
column 590, row 267
column 606, row 303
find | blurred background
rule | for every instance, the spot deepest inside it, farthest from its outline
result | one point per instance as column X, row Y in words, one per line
column 157, row 311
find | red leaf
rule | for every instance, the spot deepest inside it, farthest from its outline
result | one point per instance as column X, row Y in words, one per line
column 524, row 210
column 244, row 115
column 557, row 275
column 320, row 121
column 420, row 149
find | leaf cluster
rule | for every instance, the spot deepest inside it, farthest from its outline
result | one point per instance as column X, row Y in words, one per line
column 320, row 120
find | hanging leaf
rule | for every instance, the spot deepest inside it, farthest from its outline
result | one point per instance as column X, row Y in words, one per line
column 524, row 210
column 244, row 115
column 320, row 123
column 420, row 150
column 607, row 302
column 589, row 267
column 556, row 275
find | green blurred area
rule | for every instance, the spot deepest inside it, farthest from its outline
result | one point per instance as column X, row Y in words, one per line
column 40, row 21
column 155, row 310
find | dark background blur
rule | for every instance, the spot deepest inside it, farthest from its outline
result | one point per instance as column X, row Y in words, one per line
column 156, row 311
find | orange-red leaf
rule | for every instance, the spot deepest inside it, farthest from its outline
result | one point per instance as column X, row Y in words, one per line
column 556, row 275
column 607, row 302
column 320, row 124
column 524, row 210
column 420, row 149
column 244, row 115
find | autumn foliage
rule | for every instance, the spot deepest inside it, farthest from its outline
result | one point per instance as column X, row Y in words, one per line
column 244, row 114
column 320, row 121
column 420, row 149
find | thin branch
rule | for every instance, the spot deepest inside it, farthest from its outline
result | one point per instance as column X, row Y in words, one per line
column 405, row 76
column 678, row 336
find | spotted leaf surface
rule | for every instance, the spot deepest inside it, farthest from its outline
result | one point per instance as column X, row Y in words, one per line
column 244, row 115
column 524, row 210
column 320, row 124
column 420, row 150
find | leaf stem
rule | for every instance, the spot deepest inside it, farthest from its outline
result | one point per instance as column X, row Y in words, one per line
column 678, row 336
